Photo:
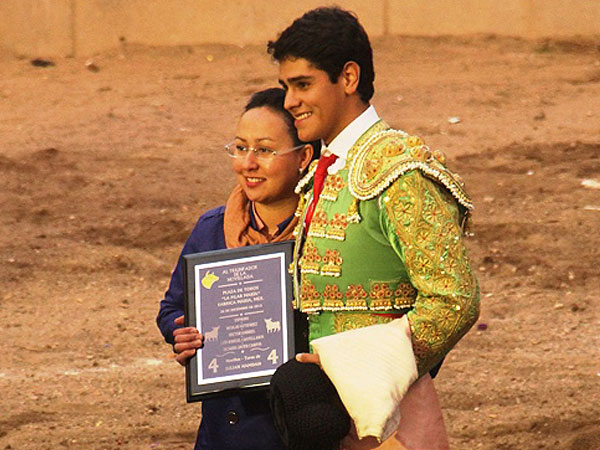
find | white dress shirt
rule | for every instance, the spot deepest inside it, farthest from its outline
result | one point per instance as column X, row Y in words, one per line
column 343, row 142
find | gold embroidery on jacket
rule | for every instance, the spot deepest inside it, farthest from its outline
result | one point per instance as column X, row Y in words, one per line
column 388, row 154
column 346, row 322
column 337, row 227
column 332, row 187
column 381, row 296
column 332, row 298
column 310, row 299
column 318, row 224
column 356, row 297
column 435, row 259
column 332, row 263
column 404, row 295
column 353, row 213
column 310, row 260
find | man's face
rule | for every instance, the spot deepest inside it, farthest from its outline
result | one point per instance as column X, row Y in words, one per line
column 316, row 103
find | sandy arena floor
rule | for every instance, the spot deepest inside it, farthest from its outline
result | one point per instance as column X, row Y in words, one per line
column 105, row 167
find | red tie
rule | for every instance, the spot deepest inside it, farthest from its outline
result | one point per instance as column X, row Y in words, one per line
column 319, row 179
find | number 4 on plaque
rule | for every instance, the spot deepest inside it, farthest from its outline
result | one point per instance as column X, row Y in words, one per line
column 213, row 365
column 273, row 356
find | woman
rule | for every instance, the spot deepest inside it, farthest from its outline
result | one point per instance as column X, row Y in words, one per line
column 268, row 159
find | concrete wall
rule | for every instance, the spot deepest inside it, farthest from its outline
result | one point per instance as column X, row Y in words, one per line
column 37, row 27
column 524, row 18
column 187, row 22
column 84, row 27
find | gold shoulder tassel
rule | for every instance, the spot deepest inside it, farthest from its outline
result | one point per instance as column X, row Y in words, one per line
column 353, row 214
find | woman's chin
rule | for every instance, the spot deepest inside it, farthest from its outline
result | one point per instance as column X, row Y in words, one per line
column 253, row 194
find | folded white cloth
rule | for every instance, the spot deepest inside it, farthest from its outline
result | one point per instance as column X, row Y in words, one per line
column 371, row 368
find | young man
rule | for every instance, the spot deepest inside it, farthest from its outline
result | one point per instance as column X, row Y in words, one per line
column 381, row 270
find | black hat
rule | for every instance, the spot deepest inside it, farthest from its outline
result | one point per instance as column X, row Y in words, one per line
column 307, row 410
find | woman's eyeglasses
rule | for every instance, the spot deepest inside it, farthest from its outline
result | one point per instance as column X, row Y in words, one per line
column 238, row 150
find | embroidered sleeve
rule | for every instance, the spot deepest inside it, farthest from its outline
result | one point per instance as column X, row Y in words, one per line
column 421, row 220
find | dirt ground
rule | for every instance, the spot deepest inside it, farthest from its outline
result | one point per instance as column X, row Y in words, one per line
column 105, row 164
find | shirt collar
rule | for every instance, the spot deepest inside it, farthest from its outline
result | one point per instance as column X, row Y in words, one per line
column 341, row 144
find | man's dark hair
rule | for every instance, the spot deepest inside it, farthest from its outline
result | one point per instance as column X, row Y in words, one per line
column 273, row 99
column 328, row 38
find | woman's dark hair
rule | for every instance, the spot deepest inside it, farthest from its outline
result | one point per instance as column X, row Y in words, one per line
column 329, row 38
column 273, row 99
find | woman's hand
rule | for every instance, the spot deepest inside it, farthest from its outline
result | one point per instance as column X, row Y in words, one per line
column 187, row 341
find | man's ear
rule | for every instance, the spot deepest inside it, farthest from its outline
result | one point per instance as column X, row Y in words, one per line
column 350, row 77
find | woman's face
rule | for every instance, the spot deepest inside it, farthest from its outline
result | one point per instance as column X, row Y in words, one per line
column 267, row 181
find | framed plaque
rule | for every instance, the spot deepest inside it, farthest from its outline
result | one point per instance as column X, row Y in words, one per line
column 241, row 301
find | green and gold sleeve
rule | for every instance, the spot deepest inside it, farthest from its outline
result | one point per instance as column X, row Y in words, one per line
column 422, row 222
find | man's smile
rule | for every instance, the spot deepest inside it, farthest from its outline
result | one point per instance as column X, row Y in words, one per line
column 303, row 115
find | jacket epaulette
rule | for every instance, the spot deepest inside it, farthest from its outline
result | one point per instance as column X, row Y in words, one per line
column 389, row 154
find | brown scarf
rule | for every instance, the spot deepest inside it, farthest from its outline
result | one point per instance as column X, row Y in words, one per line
column 238, row 232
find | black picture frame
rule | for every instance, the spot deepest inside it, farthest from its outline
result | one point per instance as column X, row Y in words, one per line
column 241, row 301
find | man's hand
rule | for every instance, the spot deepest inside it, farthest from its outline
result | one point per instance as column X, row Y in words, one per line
column 351, row 442
column 187, row 341
column 308, row 358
